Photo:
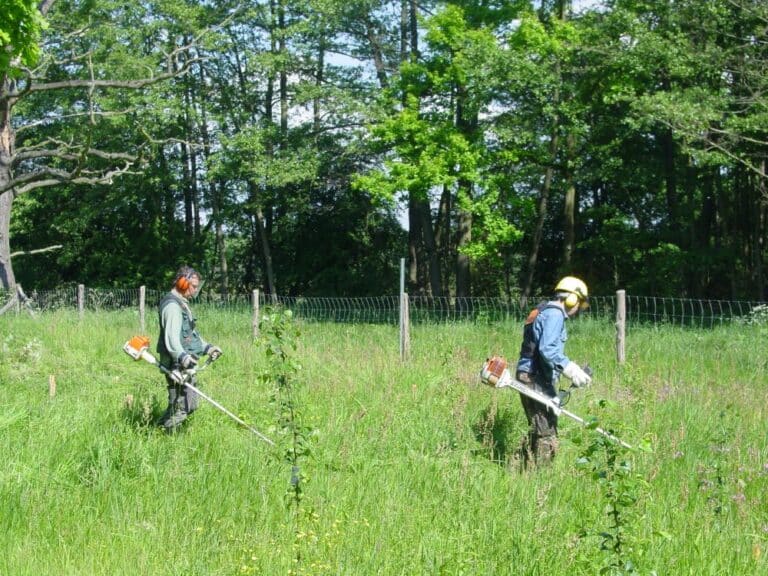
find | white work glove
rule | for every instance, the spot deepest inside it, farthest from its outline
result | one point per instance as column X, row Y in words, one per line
column 187, row 361
column 176, row 376
column 213, row 352
column 574, row 372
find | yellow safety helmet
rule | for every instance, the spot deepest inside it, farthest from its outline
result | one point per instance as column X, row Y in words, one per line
column 577, row 292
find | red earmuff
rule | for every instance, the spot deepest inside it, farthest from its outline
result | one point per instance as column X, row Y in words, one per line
column 182, row 281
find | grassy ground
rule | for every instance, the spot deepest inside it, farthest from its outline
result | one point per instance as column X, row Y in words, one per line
column 412, row 467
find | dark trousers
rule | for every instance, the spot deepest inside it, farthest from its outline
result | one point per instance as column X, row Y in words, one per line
column 181, row 403
column 541, row 443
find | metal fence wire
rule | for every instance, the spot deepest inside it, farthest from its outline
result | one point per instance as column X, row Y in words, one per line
column 422, row 309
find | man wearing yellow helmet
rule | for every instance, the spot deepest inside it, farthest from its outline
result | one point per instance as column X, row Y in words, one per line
column 543, row 360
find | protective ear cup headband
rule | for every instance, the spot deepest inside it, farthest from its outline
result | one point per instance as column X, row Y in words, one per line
column 572, row 300
column 182, row 282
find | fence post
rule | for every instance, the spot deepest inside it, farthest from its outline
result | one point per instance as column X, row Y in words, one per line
column 621, row 323
column 405, row 328
column 80, row 299
column 405, row 342
column 142, row 304
column 255, row 318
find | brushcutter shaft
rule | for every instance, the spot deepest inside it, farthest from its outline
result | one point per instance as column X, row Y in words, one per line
column 138, row 349
column 181, row 379
column 506, row 381
column 581, row 421
column 228, row 413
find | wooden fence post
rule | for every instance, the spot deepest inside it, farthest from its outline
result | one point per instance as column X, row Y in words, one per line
column 405, row 328
column 621, row 324
column 142, row 305
column 80, row 300
column 255, row 317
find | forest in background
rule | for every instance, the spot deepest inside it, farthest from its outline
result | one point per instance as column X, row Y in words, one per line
column 281, row 145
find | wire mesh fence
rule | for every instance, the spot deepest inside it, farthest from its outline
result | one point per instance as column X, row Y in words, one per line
column 422, row 309
column 692, row 312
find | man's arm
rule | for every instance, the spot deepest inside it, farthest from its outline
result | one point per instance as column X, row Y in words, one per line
column 172, row 322
column 551, row 346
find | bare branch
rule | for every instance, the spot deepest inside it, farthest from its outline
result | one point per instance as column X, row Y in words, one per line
column 192, row 145
column 37, row 251
column 8, row 305
column 65, row 155
column 102, row 114
column 743, row 161
column 49, row 177
column 737, row 136
column 90, row 84
column 44, row 6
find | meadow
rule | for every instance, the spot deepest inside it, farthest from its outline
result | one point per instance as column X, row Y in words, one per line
column 382, row 467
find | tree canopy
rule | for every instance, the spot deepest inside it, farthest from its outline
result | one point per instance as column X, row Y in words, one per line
column 305, row 147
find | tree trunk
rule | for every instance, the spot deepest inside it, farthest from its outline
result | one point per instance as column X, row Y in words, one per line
column 377, row 51
column 466, row 122
column 670, row 184
column 464, row 237
column 283, row 51
column 319, row 79
column 189, row 227
column 269, row 93
column 404, row 30
column 421, row 235
column 542, row 215
column 533, row 257
column 569, row 208
column 428, row 237
column 266, row 252
column 760, row 237
column 7, row 142
column 414, row 246
column 221, row 239
column 7, row 278
column 443, row 234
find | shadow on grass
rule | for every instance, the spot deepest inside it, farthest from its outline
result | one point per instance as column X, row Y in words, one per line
column 142, row 410
column 499, row 434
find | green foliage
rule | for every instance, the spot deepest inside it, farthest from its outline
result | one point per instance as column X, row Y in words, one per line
column 427, row 155
column 714, row 475
column 279, row 337
column 651, row 112
column 610, row 466
column 21, row 28
column 495, row 230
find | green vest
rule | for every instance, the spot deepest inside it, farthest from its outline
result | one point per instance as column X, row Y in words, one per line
column 190, row 339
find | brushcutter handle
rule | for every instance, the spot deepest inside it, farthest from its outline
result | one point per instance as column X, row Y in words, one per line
column 198, row 367
column 213, row 352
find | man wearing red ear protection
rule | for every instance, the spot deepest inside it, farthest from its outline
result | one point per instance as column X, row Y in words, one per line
column 180, row 345
column 543, row 360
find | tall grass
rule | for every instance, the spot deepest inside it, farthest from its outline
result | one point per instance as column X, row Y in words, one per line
column 412, row 468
